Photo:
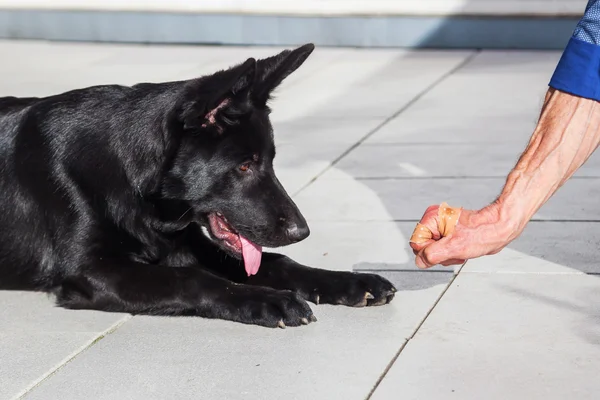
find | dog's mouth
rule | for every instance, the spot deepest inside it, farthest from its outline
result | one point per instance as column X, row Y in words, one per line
column 233, row 241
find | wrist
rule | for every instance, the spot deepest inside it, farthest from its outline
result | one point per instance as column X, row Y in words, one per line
column 509, row 217
column 502, row 218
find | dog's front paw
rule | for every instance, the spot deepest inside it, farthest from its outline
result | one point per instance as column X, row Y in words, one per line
column 274, row 308
column 353, row 289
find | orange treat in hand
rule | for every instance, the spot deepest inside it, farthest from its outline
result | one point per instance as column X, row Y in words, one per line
column 421, row 234
column 446, row 222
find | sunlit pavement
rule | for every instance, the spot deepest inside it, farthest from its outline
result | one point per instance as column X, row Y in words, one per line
column 367, row 139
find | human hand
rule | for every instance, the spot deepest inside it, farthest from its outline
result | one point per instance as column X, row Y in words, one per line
column 477, row 233
column 566, row 135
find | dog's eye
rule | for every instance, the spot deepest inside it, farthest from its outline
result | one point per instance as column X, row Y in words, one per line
column 245, row 167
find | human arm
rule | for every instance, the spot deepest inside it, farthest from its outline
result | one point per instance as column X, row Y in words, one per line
column 566, row 135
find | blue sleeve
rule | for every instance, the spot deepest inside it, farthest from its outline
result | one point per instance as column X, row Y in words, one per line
column 578, row 71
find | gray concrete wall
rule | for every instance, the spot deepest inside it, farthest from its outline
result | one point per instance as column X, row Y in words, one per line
column 517, row 24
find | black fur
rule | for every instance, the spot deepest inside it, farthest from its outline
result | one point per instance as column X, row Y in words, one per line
column 105, row 193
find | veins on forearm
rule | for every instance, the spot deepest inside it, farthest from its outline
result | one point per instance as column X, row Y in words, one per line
column 566, row 135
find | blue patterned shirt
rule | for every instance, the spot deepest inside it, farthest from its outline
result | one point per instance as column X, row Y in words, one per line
column 578, row 71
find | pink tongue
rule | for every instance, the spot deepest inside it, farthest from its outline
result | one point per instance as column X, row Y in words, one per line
column 252, row 254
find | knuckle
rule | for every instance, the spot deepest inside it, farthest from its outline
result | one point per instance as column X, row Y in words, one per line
column 428, row 257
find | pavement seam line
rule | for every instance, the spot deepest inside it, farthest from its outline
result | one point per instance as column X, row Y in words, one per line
column 421, row 323
column 386, row 121
column 407, row 220
column 448, row 177
column 71, row 357
column 500, row 272
column 431, row 271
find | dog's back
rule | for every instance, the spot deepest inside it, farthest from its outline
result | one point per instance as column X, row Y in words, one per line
column 58, row 157
column 21, row 242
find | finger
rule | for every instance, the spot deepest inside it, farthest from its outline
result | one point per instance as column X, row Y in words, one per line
column 439, row 252
column 422, row 261
column 417, row 247
column 430, row 217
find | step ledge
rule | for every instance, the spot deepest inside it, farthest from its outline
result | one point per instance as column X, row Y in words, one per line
column 274, row 30
column 515, row 8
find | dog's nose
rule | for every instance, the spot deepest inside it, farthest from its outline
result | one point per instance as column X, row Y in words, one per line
column 297, row 233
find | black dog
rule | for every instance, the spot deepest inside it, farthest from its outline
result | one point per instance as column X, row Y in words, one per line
column 156, row 198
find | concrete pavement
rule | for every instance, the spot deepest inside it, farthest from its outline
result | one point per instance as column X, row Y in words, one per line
column 361, row 140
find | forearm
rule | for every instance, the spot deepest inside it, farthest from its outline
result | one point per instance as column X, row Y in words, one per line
column 567, row 133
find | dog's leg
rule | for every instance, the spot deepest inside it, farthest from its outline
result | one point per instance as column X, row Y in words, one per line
column 322, row 286
column 156, row 290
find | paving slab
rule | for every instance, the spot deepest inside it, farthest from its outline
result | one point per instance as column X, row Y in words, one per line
column 377, row 246
column 494, row 98
column 22, row 312
column 313, row 133
column 367, row 84
column 348, row 199
column 306, row 148
column 439, row 160
column 300, row 159
column 164, row 64
column 28, row 358
column 26, row 60
column 427, row 127
column 182, row 358
column 40, row 69
column 380, row 246
column 547, row 247
column 36, row 337
column 442, row 160
column 328, row 96
column 360, row 219
column 499, row 336
column 406, row 199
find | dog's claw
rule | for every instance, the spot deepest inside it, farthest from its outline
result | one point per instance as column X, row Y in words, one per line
column 304, row 321
column 369, row 296
column 317, row 300
column 313, row 318
column 281, row 324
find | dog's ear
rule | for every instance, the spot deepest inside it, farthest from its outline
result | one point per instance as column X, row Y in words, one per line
column 273, row 70
column 219, row 99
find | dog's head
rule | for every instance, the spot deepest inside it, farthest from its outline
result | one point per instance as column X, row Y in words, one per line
column 223, row 165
